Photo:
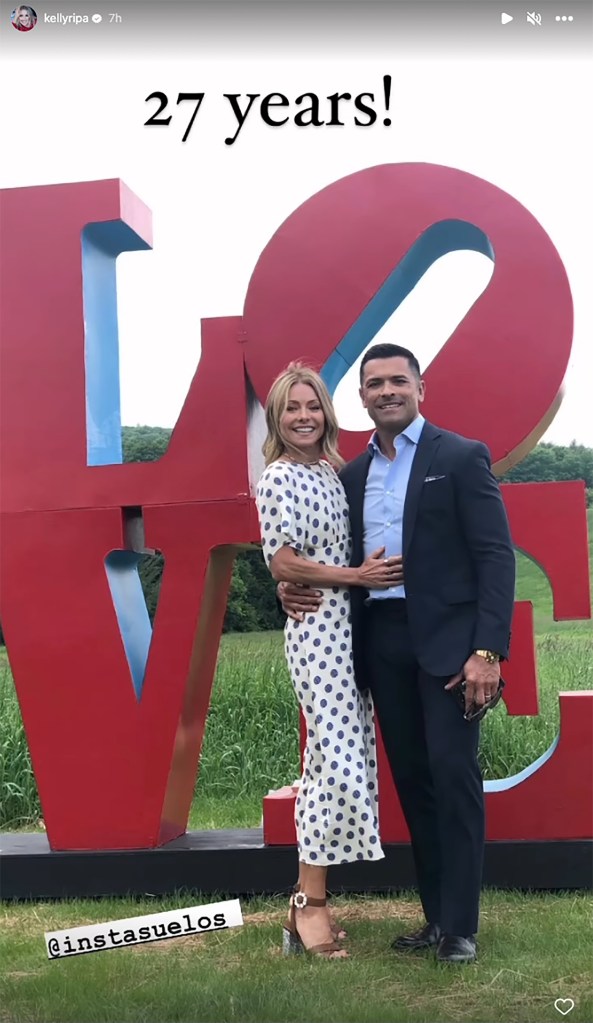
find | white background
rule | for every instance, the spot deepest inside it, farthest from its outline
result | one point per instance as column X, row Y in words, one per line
column 520, row 124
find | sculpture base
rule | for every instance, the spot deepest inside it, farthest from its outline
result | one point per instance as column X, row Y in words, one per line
column 238, row 863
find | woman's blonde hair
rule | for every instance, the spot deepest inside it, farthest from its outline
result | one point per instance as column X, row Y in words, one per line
column 29, row 10
column 277, row 402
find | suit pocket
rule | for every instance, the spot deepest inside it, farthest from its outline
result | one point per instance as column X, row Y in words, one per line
column 436, row 495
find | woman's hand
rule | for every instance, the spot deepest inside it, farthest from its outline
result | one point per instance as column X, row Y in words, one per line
column 380, row 573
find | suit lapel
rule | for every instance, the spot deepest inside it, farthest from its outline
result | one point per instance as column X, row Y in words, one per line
column 355, row 494
column 427, row 446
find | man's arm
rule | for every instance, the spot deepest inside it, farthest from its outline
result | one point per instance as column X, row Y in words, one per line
column 486, row 530
column 298, row 599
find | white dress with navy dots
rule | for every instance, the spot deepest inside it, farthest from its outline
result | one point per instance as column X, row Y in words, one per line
column 336, row 809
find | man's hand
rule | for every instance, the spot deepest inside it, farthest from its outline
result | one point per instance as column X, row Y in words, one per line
column 297, row 599
column 481, row 680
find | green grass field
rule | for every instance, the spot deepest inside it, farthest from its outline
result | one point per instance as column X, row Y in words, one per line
column 251, row 745
column 532, row 950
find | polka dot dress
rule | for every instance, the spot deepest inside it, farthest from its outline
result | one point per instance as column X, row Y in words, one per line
column 336, row 809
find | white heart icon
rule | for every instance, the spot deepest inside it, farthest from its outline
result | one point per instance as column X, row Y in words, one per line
column 564, row 1005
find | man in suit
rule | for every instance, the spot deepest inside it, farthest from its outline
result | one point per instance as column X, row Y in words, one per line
column 429, row 648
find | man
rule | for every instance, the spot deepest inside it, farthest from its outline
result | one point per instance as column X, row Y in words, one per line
column 429, row 649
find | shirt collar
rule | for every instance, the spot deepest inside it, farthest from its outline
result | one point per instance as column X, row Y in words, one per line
column 411, row 433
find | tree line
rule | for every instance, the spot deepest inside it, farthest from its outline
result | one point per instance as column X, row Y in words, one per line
column 252, row 602
column 547, row 463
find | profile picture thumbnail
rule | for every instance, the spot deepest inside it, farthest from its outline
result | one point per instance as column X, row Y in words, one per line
column 23, row 18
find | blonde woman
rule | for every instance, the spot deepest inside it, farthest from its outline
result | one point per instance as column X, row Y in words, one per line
column 24, row 18
column 305, row 533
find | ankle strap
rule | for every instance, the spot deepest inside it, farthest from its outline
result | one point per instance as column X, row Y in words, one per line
column 300, row 900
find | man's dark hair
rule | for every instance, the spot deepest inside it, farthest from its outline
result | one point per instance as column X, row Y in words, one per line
column 389, row 351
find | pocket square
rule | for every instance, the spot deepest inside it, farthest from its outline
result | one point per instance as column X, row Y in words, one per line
column 430, row 479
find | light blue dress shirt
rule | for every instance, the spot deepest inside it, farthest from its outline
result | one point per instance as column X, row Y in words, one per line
column 384, row 496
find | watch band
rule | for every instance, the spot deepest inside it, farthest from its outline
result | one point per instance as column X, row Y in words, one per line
column 488, row 655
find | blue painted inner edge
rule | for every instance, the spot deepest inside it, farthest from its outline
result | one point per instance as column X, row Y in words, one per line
column 439, row 239
column 102, row 243
column 131, row 611
column 502, row 784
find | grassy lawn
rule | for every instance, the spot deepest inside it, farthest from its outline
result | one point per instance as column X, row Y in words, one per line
column 532, row 950
column 252, row 746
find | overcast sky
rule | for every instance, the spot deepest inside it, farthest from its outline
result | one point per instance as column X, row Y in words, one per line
column 517, row 124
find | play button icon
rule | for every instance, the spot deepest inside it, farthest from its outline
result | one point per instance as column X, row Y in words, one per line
column 505, row 18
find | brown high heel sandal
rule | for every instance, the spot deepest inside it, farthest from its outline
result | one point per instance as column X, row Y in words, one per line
column 292, row 943
column 338, row 932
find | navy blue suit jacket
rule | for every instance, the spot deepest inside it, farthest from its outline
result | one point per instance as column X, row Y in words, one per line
column 459, row 563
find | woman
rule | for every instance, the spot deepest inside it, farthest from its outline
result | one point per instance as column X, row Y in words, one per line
column 306, row 539
column 24, row 18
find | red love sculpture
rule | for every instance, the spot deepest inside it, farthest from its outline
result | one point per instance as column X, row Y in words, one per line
column 114, row 719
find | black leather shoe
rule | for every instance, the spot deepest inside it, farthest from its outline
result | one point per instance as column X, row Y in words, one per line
column 428, row 937
column 452, row 948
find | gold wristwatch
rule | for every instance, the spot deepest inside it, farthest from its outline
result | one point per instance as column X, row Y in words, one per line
column 488, row 655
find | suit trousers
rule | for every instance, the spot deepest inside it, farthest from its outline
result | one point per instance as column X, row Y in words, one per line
column 433, row 755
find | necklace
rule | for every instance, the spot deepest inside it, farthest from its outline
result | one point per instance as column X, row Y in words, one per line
column 296, row 461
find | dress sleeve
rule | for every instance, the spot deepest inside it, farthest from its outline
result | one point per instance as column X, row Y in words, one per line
column 280, row 520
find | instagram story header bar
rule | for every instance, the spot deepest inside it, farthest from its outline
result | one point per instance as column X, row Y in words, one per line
column 300, row 30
